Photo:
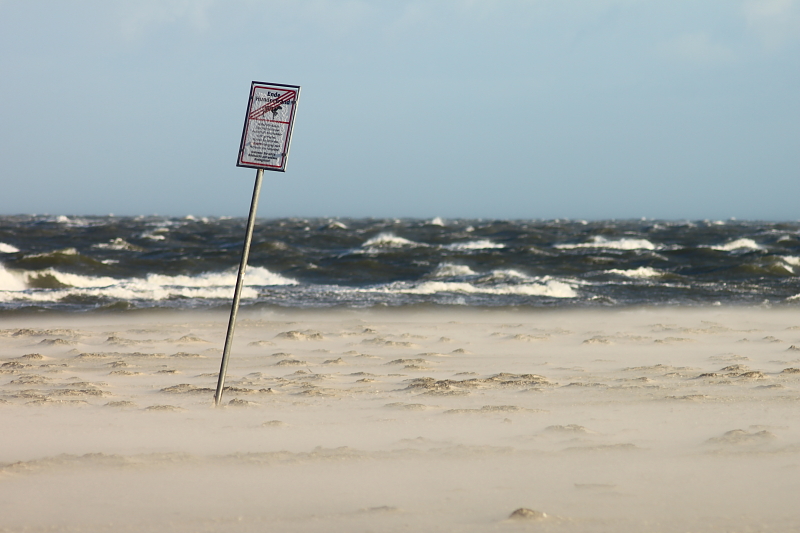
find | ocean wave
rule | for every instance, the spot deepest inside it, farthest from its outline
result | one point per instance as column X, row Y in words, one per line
column 76, row 222
column 155, row 235
column 620, row 244
column 462, row 273
column 17, row 286
column 11, row 280
column 256, row 276
column 549, row 288
column 738, row 244
column 767, row 266
column 450, row 270
column 333, row 224
column 118, row 244
column 505, row 274
column 638, row 273
column 484, row 244
column 390, row 240
column 8, row 249
column 54, row 253
column 65, row 279
column 783, row 267
column 165, row 224
column 124, row 292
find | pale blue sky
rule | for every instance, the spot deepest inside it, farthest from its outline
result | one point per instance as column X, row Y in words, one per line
column 473, row 108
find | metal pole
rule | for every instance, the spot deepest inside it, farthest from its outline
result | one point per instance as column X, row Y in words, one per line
column 251, row 220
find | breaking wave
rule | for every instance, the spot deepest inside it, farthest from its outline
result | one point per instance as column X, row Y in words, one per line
column 549, row 288
column 16, row 286
column 484, row 244
column 738, row 244
column 638, row 273
column 620, row 244
column 389, row 240
column 10, row 280
column 449, row 270
column 8, row 249
column 120, row 244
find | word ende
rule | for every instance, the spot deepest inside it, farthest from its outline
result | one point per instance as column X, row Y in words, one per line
column 268, row 126
column 270, row 96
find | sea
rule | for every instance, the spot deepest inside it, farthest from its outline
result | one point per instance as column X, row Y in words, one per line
column 98, row 264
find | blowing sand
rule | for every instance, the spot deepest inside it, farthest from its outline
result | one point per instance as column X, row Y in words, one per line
column 625, row 421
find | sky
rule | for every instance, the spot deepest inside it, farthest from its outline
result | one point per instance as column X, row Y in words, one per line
column 507, row 109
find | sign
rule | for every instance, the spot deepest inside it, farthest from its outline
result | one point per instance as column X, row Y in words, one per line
column 268, row 126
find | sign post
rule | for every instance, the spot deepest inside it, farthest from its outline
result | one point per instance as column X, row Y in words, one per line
column 264, row 146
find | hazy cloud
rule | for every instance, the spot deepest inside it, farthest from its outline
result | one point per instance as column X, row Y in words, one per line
column 775, row 22
column 697, row 48
column 138, row 18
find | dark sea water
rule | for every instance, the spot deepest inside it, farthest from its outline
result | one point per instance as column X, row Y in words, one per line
column 117, row 263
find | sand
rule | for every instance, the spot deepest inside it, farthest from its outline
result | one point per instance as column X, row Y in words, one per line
column 626, row 421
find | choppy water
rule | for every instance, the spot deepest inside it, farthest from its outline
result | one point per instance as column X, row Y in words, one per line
column 80, row 264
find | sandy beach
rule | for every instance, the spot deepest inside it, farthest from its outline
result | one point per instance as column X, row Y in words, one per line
column 654, row 419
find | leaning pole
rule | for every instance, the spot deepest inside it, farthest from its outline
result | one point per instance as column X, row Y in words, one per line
column 266, row 137
column 237, row 293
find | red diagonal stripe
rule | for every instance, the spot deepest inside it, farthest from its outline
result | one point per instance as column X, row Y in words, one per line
column 266, row 108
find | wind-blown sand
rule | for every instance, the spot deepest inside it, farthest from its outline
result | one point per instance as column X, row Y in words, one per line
column 625, row 421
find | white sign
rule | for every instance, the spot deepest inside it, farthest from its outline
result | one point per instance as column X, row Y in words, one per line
column 268, row 126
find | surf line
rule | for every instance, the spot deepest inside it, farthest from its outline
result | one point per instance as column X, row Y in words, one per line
column 283, row 99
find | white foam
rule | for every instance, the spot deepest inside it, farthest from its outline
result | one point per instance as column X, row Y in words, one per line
column 63, row 251
column 13, row 286
column 75, row 222
column 155, row 235
column 620, row 244
column 792, row 260
column 256, row 276
column 118, row 244
column 738, row 244
column 71, row 280
column 640, row 273
column 506, row 274
column 389, row 240
column 8, row 249
column 450, row 270
column 335, row 224
column 483, row 244
column 545, row 287
column 437, row 221
column 551, row 288
column 10, row 280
